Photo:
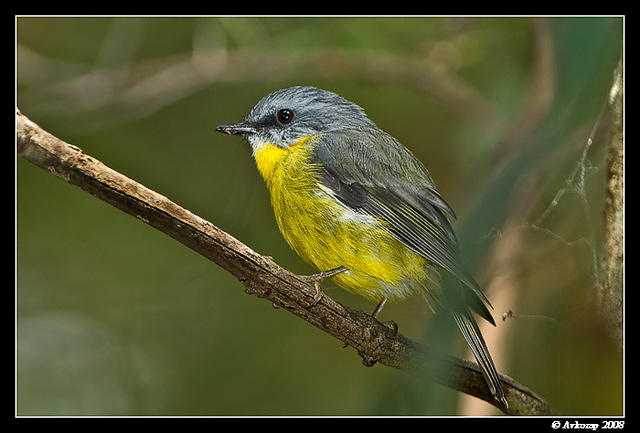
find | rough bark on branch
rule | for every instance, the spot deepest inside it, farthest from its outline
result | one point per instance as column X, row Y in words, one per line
column 261, row 276
column 610, row 293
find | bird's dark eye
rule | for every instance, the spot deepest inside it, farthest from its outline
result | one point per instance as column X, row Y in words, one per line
column 284, row 116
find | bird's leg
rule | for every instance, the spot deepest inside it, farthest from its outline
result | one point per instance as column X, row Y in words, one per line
column 378, row 308
column 390, row 323
column 366, row 359
column 317, row 279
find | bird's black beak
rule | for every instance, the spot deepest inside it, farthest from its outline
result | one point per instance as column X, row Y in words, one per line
column 240, row 128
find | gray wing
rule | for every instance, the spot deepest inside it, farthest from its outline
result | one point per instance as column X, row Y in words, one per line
column 372, row 173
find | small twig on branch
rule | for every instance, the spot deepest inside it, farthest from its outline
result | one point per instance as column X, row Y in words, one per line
column 261, row 276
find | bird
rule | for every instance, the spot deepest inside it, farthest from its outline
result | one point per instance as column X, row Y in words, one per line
column 356, row 204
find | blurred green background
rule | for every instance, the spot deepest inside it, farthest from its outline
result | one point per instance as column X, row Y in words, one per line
column 116, row 318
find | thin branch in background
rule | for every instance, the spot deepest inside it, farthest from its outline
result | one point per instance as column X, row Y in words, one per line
column 262, row 277
column 155, row 83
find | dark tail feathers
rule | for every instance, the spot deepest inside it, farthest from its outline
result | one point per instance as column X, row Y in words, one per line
column 472, row 334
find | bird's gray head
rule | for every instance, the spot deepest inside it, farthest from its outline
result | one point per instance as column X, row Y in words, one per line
column 287, row 115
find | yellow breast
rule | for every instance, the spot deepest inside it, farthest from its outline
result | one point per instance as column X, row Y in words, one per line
column 327, row 235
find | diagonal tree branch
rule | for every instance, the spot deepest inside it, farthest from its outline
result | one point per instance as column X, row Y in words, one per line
column 261, row 276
